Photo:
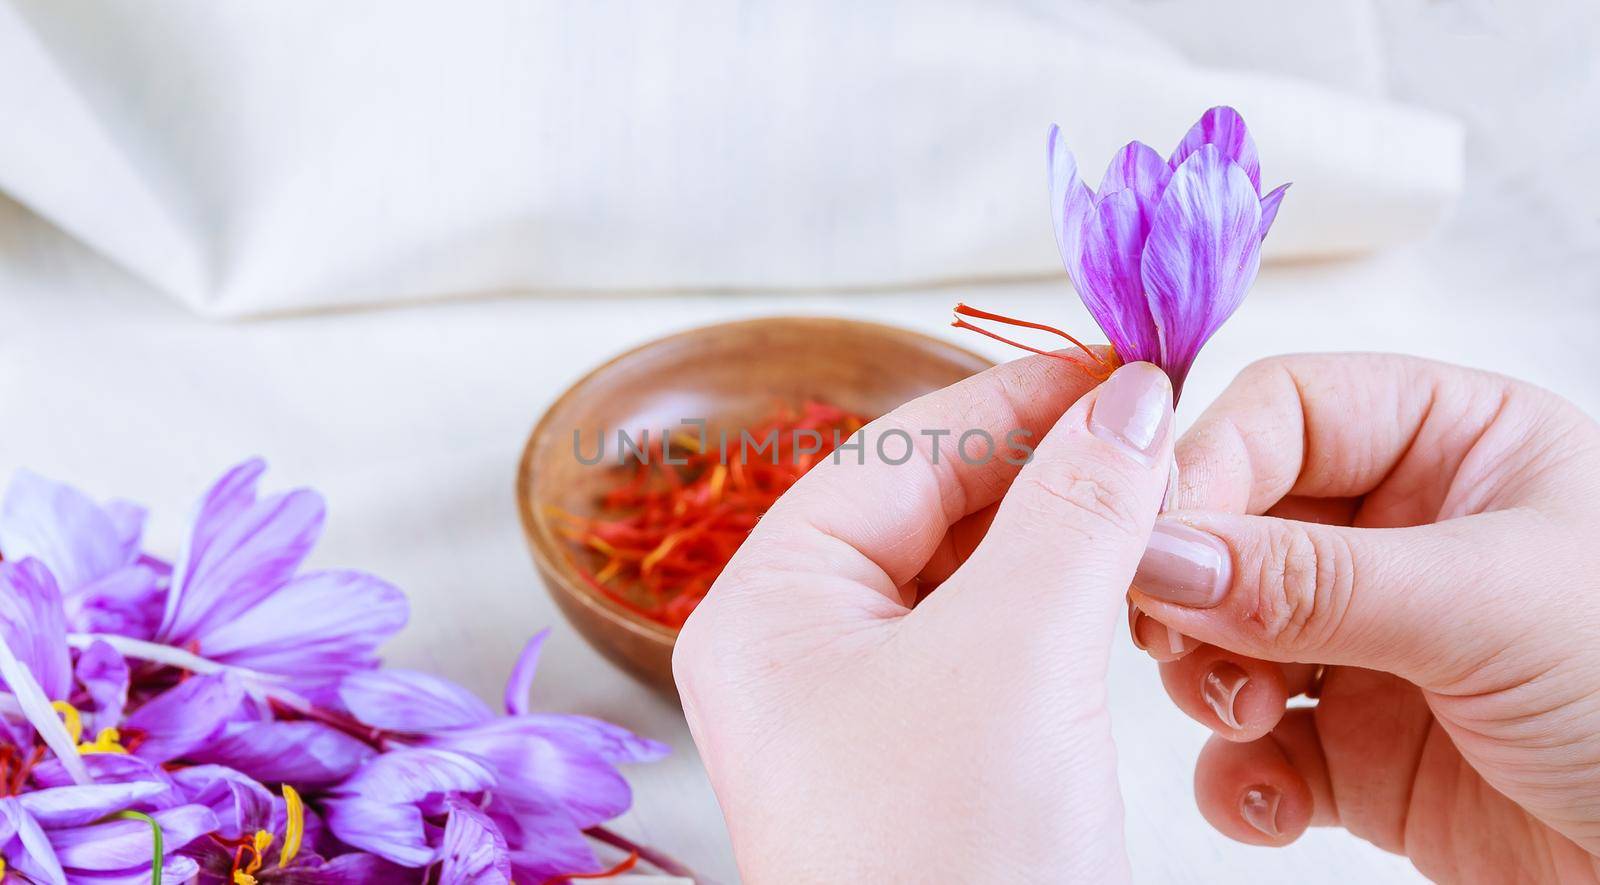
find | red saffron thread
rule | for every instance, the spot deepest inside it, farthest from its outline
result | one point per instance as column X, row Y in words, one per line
column 668, row 529
column 622, row 866
column 25, row 770
column 962, row 310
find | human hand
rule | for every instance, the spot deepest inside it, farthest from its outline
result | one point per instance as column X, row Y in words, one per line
column 1432, row 535
column 850, row 737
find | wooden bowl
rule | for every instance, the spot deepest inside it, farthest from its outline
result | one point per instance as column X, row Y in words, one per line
column 727, row 373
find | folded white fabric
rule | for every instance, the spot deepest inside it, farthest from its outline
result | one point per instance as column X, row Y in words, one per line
column 268, row 155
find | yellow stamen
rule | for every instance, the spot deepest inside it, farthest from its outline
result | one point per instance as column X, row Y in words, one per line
column 688, row 441
column 262, row 840
column 71, row 718
column 109, row 740
column 294, row 828
column 2, row 869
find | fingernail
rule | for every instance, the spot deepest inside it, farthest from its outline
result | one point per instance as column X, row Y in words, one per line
column 1174, row 641
column 1134, row 410
column 1184, row 565
column 1220, row 688
column 1259, row 808
column 1133, row 626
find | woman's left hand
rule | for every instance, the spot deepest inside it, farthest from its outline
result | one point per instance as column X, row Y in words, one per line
column 850, row 737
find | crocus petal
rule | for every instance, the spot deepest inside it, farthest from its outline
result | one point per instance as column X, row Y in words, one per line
column 1224, row 128
column 176, row 868
column 125, row 844
column 1202, row 255
column 102, row 768
column 473, row 851
column 378, row 808
column 1269, row 207
column 1070, row 200
column 355, row 868
column 103, row 673
column 308, row 753
column 185, row 716
column 521, row 680
column 409, row 701
column 127, row 520
column 545, row 843
column 613, row 743
column 1138, row 168
column 36, row 708
column 34, row 624
column 413, row 773
column 537, row 768
column 319, row 625
column 1109, row 279
column 240, row 550
column 26, row 847
column 78, row 805
column 62, row 527
column 392, row 832
column 126, row 601
column 241, row 805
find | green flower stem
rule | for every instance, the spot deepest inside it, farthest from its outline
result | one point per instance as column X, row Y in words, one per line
column 155, row 830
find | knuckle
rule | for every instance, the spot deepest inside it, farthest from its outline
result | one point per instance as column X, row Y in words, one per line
column 1304, row 588
column 688, row 650
column 1266, row 367
column 1103, row 502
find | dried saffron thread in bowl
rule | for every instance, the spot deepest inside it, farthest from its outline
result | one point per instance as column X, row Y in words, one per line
column 669, row 527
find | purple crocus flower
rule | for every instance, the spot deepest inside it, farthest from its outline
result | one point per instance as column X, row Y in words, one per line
column 474, row 850
column 548, row 777
column 62, row 834
column 385, row 807
column 1164, row 252
column 236, row 598
column 36, row 663
column 92, row 551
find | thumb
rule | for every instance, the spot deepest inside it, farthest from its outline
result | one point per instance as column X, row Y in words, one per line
column 1068, row 534
column 1430, row 603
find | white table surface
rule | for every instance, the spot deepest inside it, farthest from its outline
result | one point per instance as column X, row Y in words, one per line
column 410, row 421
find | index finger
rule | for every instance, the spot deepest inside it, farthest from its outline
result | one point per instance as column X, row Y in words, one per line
column 1394, row 429
column 867, row 519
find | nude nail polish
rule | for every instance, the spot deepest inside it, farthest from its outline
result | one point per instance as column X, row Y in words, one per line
column 1259, row 808
column 1184, row 565
column 1220, row 688
column 1133, row 409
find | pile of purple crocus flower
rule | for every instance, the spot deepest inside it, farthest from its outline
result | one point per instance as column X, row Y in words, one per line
column 222, row 718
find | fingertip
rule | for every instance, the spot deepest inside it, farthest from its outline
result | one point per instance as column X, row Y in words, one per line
column 1162, row 643
column 1133, row 411
column 1239, row 698
column 1251, row 793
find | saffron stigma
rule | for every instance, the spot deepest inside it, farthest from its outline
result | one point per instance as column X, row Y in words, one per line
column 1101, row 369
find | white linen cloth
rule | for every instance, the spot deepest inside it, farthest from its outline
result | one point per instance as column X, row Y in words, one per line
column 271, row 155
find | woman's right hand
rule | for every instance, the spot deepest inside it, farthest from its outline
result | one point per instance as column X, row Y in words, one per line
column 1417, row 546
